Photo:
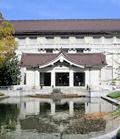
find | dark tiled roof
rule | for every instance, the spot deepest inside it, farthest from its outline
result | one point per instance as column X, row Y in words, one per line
column 73, row 25
column 95, row 59
column 36, row 59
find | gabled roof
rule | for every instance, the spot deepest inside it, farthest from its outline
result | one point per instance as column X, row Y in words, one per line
column 79, row 60
column 68, row 25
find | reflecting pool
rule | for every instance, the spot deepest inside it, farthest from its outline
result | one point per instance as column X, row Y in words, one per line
column 39, row 118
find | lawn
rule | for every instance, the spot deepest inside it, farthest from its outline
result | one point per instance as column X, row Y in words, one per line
column 116, row 113
column 114, row 94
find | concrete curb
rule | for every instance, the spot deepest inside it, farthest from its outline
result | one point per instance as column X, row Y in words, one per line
column 108, row 135
column 111, row 100
column 113, row 133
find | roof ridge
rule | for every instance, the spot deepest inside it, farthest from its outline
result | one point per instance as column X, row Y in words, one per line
column 66, row 19
column 83, row 53
column 39, row 53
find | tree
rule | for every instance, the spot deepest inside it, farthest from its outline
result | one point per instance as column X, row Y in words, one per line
column 9, row 64
column 8, row 45
column 10, row 71
column 1, row 16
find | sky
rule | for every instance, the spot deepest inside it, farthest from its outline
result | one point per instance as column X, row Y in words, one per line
column 59, row 9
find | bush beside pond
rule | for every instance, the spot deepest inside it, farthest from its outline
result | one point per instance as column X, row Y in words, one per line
column 118, row 134
column 52, row 96
column 114, row 94
column 1, row 94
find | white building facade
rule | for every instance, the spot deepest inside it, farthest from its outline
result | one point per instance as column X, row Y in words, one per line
column 68, row 53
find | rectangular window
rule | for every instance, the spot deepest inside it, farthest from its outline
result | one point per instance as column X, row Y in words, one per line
column 65, row 49
column 49, row 50
column 80, row 50
column 45, row 79
column 62, row 79
column 79, row 79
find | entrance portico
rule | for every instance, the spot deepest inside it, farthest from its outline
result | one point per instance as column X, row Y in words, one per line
column 62, row 75
column 62, row 69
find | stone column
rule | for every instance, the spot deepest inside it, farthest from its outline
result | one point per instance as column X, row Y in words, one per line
column 22, row 111
column 89, row 78
column 53, row 78
column 71, row 108
column 52, row 108
column 36, row 107
column 37, row 79
column 39, row 108
column 23, row 71
column 100, row 77
column 71, row 78
column 30, row 78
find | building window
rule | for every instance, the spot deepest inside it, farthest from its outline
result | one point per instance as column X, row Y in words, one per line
column 62, row 79
column 79, row 79
column 80, row 50
column 45, row 79
column 49, row 50
column 65, row 50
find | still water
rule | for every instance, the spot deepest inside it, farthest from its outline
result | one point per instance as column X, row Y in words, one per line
column 39, row 118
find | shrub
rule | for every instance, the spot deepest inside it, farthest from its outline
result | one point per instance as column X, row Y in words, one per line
column 118, row 134
column 1, row 94
column 55, row 91
column 114, row 94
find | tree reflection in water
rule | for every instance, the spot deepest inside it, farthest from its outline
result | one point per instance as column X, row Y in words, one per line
column 8, row 116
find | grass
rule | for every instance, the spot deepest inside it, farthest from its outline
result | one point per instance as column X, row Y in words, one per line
column 116, row 113
column 114, row 94
column 118, row 98
column 1, row 94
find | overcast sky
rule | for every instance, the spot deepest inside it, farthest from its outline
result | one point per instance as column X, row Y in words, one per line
column 59, row 9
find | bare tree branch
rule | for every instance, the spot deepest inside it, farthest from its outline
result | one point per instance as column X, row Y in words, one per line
column 1, row 17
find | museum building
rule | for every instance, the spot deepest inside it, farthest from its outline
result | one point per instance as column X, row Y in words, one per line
column 68, row 53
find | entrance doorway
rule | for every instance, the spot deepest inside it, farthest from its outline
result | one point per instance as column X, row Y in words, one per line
column 62, row 79
column 45, row 79
column 79, row 79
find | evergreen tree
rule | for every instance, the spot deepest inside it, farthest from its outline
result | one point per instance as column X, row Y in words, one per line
column 10, row 71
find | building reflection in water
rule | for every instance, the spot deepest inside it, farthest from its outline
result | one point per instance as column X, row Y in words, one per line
column 35, row 113
column 49, row 107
